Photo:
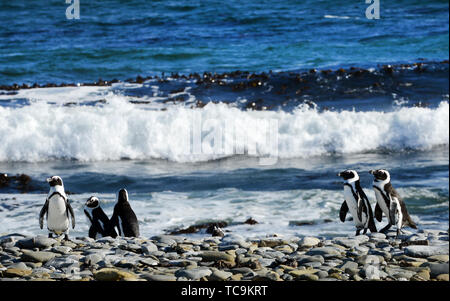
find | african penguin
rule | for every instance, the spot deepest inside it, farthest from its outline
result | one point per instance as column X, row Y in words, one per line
column 389, row 202
column 124, row 217
column 97, row 219
column 356, row 202
column 57, row 209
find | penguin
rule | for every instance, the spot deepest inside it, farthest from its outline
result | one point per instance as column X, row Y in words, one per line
column 356, row 202
column 124, row 217
column 389, row 202
column 57, row 209
column 97, row 219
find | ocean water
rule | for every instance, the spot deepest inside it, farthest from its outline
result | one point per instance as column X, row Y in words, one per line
column 244, row 110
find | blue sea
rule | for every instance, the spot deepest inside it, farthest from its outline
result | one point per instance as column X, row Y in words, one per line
column 210, row 111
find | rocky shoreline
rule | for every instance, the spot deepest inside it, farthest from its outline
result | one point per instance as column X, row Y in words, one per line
column 421, row 256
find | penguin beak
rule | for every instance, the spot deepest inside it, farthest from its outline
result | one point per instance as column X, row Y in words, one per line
column 339, row 174
column 49, row 180
column 371, row 171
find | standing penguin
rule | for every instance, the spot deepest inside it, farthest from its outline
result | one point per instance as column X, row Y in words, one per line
column 57, row 209
column 356, row 202
column 389, row 202
column 97, row 219
column 124, row 217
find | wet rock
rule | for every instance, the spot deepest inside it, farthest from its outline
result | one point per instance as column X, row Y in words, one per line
column 216, row 256
column 219, row 275
column 38, row 256
column 112, row 274
column 16, row 272
column 308, row 242
column 324, row 251
column 40, row 242
column 153, row 277
column 426, row 251
column 193, row 274
column 442, row 277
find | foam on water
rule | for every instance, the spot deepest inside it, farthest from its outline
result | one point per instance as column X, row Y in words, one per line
column 118, row 129
column 276, row 212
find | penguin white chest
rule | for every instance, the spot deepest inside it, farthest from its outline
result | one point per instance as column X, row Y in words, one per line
column 57, row 220
column 352, row 205
column 381, row 202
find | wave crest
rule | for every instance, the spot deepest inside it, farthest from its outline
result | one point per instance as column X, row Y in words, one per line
column 119, row 129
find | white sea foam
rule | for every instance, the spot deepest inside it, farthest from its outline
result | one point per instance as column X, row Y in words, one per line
column 118, row 129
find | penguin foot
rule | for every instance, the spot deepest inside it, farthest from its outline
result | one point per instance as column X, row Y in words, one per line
column 50, row 235
column 385, row 229
column 66, row 237
column 357, row 232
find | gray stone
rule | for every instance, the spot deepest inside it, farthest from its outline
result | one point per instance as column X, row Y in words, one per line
column 40, row 242
column 266, row 261
column 193, row 274
column 348, row 265
column 153, row 277
column 219, row 275
column 19, row 266
column 62, row 262
column 322, row 274
column 369, row 259
column 437, row 268
column 149, row 248
column 92, row 259
column 347, row 242
column 62, row 250
column 378, row 235
column 182, row 263
column 149, row 261
column 308, row 242
column 38, row 256
column 324, row 251
column 216, row 256
column 426, row 251
column 371, row 272
column 312, row 264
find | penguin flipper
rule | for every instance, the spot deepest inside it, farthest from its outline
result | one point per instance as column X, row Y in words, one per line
column 378, row 212
column 372, row 226
column 70, row 211
column 361, row 207
column 343, row 211
column 42, row 213
column 114, row 222
column 392, row 212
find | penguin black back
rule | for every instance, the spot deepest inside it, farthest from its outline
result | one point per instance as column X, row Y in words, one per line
column 124, row 217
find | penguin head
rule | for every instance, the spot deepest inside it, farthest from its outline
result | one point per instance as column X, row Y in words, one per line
column 92, row 202
column 55, row 181
column 380, row 175
column 122, row 196
column 349, row 175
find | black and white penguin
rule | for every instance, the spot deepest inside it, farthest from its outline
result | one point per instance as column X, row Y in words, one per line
column 389, row 202
column 356, row 202
column 124, row 217
column 97, row 219
column 57, row 209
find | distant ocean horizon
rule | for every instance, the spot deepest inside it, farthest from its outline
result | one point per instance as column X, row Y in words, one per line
column 337, row 90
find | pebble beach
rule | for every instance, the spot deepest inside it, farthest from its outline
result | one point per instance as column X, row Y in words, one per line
column 421, row 256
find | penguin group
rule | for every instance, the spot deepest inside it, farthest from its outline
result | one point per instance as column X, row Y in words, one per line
column 388, row 203
column 57, row 211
